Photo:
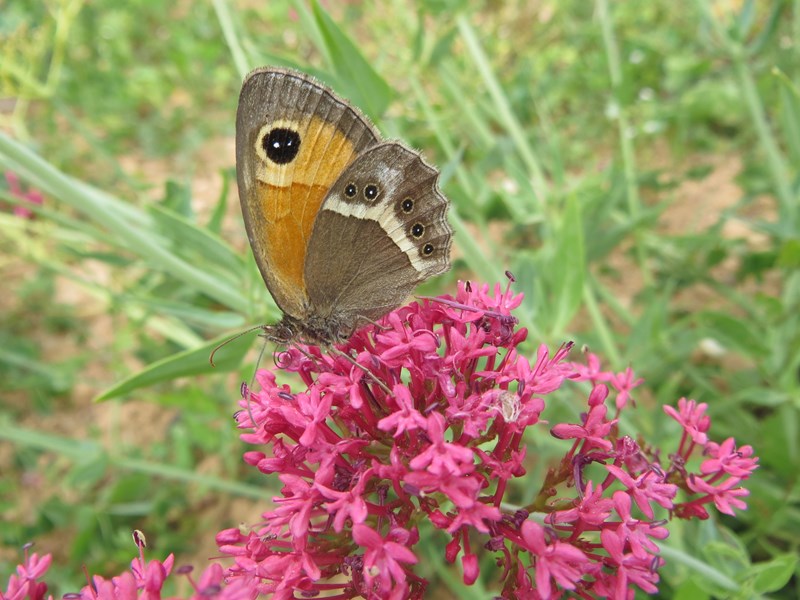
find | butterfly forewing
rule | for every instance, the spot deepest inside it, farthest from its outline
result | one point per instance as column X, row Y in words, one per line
column 294, row 138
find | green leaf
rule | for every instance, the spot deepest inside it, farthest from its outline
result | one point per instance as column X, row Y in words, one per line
column 789, row 254
column 522, row 204
column 178, row 198
column 184, row 364
column 478, row 262
column 191, row 314
column 744, row 22
column 708, row 575
column 198, row 245
column 85, row 452
column 357, row 80
column 569, row 266
column 771, row 576
column 215, row 222
column 689, row 590
column 735, row 333
column 311, row 29
column 651, row 324
column 790, row 119
column 130, row 227
column 90, row 471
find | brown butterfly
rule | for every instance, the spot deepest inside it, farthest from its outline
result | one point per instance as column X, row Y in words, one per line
column 343, row 224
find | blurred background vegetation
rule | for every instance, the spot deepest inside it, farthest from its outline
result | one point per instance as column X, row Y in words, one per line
column 634, row 164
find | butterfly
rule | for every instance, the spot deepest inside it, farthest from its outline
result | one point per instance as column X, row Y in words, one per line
column 342, row 223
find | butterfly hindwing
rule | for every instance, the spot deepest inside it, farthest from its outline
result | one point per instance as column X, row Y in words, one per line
column 381, row 230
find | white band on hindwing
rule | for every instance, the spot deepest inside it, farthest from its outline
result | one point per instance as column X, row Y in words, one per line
column 385, row 217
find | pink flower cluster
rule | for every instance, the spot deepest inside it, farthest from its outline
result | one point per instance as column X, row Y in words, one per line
column 32, row 196
column 25, row 584
column 144, row 581
column 423, row 418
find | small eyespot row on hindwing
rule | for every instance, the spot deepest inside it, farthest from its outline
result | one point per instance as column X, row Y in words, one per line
column 407, row 205
column 427, row 249
column 417, row 229
column 281, row 145
column 350, row 190
column 371, row 191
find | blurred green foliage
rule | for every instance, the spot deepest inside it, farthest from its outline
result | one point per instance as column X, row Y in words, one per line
column 633, row 164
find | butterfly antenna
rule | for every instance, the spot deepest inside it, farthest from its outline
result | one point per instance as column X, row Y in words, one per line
column 231, row 339
column 253, row 379
column 374, row 323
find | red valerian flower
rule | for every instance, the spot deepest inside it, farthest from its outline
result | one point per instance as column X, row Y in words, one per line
column 595, row 428
column 646, row 488
column 692, row 417
column 25, row 585
column 725, row 498
column 30, row 197
column 725, row 458
column 553, row 559
column 426, row 412
column 624, row 383
column 407, row 418
column 383, row 572
column 421, row 420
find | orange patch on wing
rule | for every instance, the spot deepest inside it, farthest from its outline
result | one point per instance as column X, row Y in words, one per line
column 286, row 199
column 325, row 151
column 288, row 215
column 326, row 154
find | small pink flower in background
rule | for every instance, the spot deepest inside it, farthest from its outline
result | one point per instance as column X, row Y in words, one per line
column 693, row 419
column 624, row 383
column 725, row 458
column 32, row 196
column 595, row 427
column 25, row 585
column 720, row 475
column 422, row 418
column 725, row 498
column 646, row 488
column 591, row 370
column 144, row 580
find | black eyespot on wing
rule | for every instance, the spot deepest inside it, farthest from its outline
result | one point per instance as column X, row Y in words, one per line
column 417, row 230
column 371, row 191
column 407, row 205
column 281, row 145
column 427, row 249
column 350, row 190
